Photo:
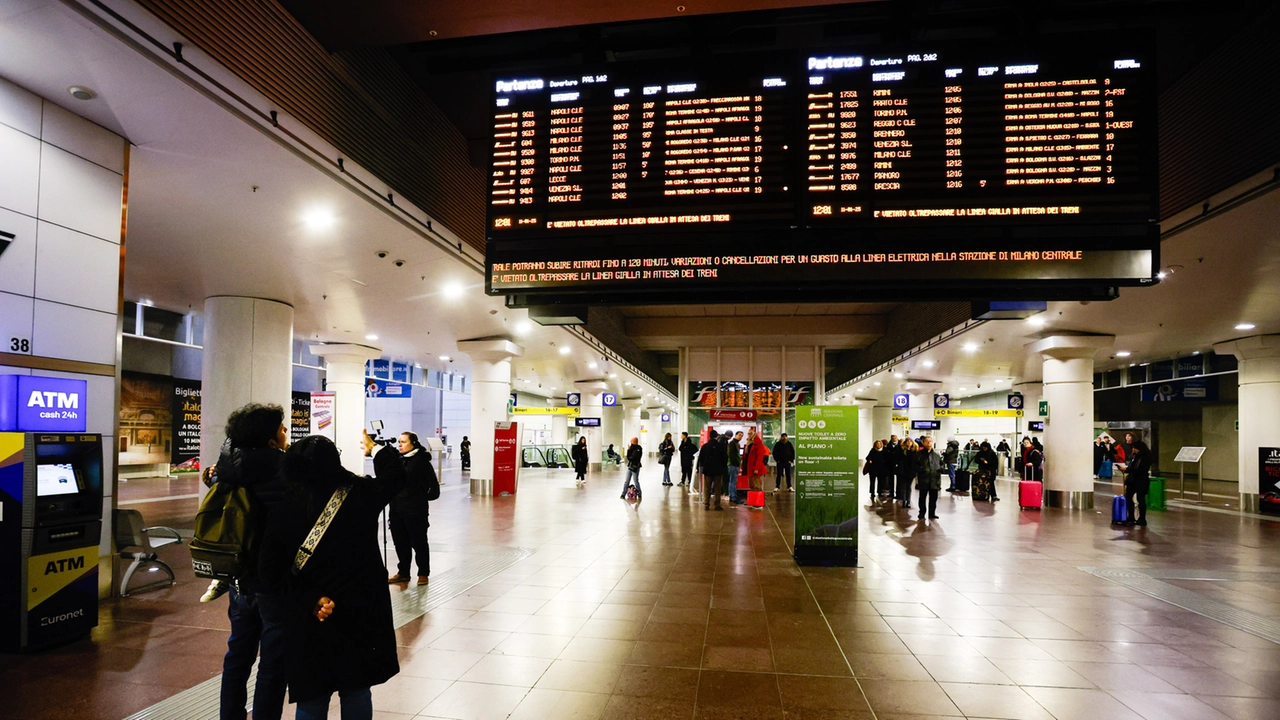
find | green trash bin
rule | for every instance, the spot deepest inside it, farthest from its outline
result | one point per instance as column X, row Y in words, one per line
column 1155, row 497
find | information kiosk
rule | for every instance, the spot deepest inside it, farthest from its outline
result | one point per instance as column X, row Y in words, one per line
column 50, row 513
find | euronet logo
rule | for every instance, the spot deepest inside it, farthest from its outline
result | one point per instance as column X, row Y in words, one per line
column 55, row 619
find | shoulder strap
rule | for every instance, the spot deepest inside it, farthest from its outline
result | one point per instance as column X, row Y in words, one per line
column 318, row 530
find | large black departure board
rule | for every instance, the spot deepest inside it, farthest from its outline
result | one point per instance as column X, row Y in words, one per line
column 965, row 165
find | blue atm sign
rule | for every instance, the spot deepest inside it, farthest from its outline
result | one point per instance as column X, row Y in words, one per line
column 31, row 403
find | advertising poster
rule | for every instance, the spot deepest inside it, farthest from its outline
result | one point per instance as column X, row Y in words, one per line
column 185, row 416
column 375, row 388
column 299, row 416
column 146, row 413
column 322, row 415
column 1195, row 390
column 1269, row 480
column 826, row 522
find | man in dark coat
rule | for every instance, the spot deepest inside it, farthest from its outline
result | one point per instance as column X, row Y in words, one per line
column 784, row 454
column 410, row 514
column 687, row 451
column 928, row 467
column 256, row 439
column 464, row 450
column 713, row 461
column 340, row 636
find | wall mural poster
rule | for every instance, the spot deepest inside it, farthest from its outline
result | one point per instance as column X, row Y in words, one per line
column 185, row 414
column 299, row 416
column 323, row 414
column 826, row 522
column 146, row 430
column 1269, row 479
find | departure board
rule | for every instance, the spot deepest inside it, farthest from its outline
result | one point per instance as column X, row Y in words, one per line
column 963, row 164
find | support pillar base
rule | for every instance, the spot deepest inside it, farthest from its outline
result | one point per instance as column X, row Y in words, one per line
column 1249, row 503
column 1069, row 499
column 481, row 486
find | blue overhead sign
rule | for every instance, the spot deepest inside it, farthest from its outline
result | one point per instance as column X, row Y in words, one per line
column 33, row 403
column 901, row 401
column 941, row 400
column 1015, row 401
column 609, row 400
column 666, row 417
column 574, row 400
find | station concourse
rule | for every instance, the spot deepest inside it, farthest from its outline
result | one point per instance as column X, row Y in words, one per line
column 1029, row 240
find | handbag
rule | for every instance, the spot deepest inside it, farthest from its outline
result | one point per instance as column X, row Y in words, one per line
column 318, row 530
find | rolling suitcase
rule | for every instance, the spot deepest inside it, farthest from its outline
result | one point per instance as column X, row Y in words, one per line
column 962, row 481
column 1119, row 510
column 1030, row 494
column 982, row 488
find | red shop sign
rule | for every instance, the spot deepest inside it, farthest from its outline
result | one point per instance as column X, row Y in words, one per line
column 744, row 415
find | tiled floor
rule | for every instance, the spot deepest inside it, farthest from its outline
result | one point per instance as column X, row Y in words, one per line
column 662, row 610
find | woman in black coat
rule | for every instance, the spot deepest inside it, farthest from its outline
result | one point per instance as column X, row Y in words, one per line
column 1137, row 483
column 874, row 467
column 579, row 454
column 410, row 513
column 339, row 635
column 687, row 451
column 666, row 451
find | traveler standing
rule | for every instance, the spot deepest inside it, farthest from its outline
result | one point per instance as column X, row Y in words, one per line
column 580, row 457
column 1032, row 461
column 906, row 472
column 988, row 466
column 687, row 451
column 735, row 467
column 1137, row 483
column 464, row 450
column 1099, row 455
column 755, row 462
column 713, row 459
column 872, row 468
column 666, row 451
column 251, row 458
column 410, row 514
column 784, row 454
column 951, row 457
column 928, row 469
column 1003, row 447
column 893, row 458
column 634, row 455
column 339, row 636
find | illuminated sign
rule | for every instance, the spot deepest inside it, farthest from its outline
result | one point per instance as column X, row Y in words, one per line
column 587, row 422
column 609, row 400
column 938, row 413
column 32, row 403
column 909, row 164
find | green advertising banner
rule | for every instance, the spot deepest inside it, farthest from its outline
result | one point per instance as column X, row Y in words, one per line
column 826, row 486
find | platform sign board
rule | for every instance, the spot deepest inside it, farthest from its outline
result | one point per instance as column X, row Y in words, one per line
column 609, row 400
column 941, row 400
column 939, row 413
column 901, row 401
column 826, row 505
column 1015, row 401
column 573, row 399
column 1189, row 454
column 506, row 457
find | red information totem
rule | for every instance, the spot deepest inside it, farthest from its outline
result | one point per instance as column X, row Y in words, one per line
column 506, row 457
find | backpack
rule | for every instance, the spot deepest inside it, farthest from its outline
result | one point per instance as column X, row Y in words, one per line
column 433, row 484
column 226, row 531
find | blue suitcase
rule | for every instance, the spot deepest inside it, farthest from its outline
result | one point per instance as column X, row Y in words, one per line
column 1119, row 510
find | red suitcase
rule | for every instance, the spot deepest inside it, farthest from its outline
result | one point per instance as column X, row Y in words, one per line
column 1030, row 494
column 755, row 499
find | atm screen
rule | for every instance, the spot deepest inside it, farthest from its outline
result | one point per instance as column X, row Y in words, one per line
column 56, row 479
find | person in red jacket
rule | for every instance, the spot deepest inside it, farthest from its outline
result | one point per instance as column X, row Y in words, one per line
column 755, row 462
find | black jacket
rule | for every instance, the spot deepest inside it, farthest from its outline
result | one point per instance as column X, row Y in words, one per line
column 687, row 451
column 635, row 454
column 666, row 450
column 877, row 464
column 579, row 454
column 987, row 462
column 784, row 453
column 713, row 458
column 420, row 476
column 906, row 464
column 356, row 646
column 259, row 470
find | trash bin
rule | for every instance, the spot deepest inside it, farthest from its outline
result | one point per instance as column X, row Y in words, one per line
column 1155, row 497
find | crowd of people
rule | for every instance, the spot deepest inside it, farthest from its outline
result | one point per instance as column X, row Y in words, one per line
column 729, row 464
column 311, row 604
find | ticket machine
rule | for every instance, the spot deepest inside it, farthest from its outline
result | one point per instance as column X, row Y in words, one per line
column 50, row 525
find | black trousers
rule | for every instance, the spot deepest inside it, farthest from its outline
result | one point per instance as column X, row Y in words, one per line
column 1136, row 496
column 409, row 536
column 931, row 496
column 903, row 491
column 715, row 488
column 686, row 473
column 784, row 469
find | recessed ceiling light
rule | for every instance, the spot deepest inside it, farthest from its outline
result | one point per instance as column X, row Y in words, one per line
column 1195, row 352
column 371, row 336
column 592, row 365
column 970, row 347
column 1036, row 321
column 524, row 326
column 898, row 375
column 453, row 290
column 928, row 363
column 1245, row 326
column 80, row 92
column 1133, row 364
column 1123, row 353
column 877, row 383
column 613, row 375
column 553, row 387
column 963, row 389
column 318, row 218
column 444, row 358
column 565, row 350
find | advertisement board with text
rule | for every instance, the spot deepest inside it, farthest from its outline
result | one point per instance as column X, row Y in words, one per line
column 826, row 505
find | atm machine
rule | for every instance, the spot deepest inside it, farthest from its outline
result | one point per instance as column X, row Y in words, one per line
column 50, row 525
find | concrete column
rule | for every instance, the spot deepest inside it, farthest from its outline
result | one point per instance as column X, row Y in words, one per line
column 865, row 437
column 1068, row 437
column 1259, row 373
column 344, row 365
column 248, row 348
column 490, row 390
column 593, row 406
column 881, row 422
column 559, row 423
column 631, row 421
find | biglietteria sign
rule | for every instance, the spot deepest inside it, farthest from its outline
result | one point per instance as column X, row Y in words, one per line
column 31, row 403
